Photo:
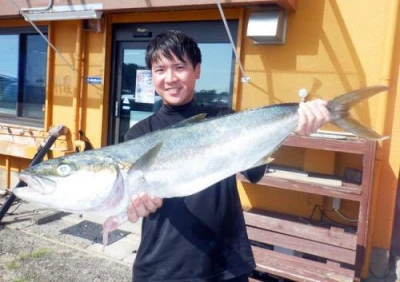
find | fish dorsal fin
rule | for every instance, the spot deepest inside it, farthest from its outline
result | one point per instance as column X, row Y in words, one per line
column 147, row 159
column 193, row 119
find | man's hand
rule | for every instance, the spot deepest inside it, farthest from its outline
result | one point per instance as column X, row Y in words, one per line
column 312, row 115
column 142, row 205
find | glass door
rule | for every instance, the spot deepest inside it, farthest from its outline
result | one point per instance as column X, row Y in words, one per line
column 136, row 98
column 132, row 95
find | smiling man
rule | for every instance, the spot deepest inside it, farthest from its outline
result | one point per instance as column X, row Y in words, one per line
column 200, row 237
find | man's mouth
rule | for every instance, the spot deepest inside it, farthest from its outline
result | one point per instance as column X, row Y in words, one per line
column 173, row 90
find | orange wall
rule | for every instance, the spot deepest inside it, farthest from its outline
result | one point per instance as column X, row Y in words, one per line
column 75, row 103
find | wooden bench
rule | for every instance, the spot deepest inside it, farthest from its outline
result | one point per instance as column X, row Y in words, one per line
column 311, row 253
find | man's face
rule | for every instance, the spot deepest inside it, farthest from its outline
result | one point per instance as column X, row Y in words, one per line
column 175, row 80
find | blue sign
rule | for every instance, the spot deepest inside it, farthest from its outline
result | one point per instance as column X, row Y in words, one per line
column 93, row 80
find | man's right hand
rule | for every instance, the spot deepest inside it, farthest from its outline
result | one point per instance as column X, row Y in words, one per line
column 142, row 205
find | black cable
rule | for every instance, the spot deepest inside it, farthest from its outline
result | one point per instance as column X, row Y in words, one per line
column 323, row 215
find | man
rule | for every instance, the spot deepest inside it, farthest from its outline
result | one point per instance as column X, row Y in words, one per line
column 200, row 237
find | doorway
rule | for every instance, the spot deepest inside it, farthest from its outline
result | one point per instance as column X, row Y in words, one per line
column 132, row 96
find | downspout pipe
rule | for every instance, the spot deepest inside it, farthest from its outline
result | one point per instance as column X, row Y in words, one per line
column 39, row 9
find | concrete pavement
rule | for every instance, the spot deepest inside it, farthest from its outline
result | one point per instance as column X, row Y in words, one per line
column 77, row 231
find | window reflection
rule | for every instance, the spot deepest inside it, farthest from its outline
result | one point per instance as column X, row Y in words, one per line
column 132, row 110
column 215, row 84
column 8, row 73
column 35, row 78
column 23, row 65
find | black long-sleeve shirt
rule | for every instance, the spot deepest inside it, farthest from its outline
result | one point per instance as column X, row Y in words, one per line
column 201, row 237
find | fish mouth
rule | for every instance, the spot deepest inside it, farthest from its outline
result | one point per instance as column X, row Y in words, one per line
column 43, row 185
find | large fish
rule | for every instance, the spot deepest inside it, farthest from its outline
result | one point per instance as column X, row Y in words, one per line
column 179, row 161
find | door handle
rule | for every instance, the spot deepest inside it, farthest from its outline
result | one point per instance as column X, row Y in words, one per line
column 117, row 108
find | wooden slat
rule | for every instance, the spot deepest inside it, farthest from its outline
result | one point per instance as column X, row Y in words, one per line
column 333, row 237
column 302, row 245
column 347, row 191
column 351, row 145
column 298, row 269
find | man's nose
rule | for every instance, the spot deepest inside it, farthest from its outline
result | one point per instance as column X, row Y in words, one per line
column 170, row 75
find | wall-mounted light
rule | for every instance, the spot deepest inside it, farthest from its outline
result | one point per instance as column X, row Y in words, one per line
column 267, row 26
column 58, row 13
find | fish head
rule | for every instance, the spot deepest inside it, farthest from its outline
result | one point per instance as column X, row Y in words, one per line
column 74, row 183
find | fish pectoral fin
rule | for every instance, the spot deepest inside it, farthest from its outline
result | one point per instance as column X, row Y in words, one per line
column 138, row 169
column 137, row 174
column 147, row 159
column 190, row 120
column 111, row 224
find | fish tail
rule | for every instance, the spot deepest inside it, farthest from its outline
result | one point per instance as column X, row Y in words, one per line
column 339, row 112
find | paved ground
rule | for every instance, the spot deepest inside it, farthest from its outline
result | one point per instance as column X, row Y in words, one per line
column 65, row 249
column 43, row 245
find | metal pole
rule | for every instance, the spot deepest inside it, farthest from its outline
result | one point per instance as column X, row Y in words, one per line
column 55, row 132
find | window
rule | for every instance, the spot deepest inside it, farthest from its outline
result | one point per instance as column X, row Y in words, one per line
column 216, row 81
column 23, row 57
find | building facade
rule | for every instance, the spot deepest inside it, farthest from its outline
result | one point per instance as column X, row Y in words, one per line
column 81, row 64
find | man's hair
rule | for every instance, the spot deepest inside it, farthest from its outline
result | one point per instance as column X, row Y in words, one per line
column 173, row 43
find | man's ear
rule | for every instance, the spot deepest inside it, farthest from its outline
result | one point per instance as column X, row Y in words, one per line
column 197, row 70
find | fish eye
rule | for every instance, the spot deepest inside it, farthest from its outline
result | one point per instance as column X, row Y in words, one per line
column 63, row 170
